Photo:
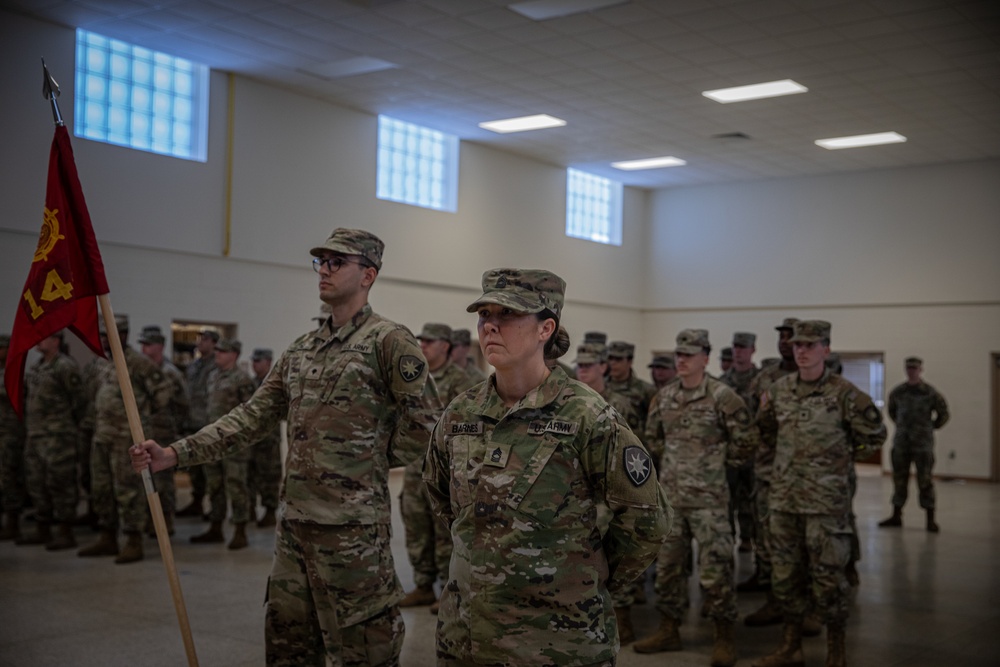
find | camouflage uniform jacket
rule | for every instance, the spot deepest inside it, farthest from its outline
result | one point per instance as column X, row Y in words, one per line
column 623, row 404
column 451, row 381
column 168, row 425
column 696, row 433
column 11, row 428
column 917, row 410
column 152, row 398
column 226, row 390
column 768, row 375
column 198, row 372
column 357, row 401
column 640, row 394
column 475, row 373
column 816, row 430
column 273, row 437
column 531, row 572
column 55, row 403
column 741, row 383
column 91, row 377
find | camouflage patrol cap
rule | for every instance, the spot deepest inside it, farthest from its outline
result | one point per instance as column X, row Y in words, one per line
column 591, row 353
column 121, row 324
column 663, row 360
column 353, row 242
column 914, row 362
column 262, row 353
column 522, row 290
column 787, row 323
column 620, row 348
column 595, row 337
column 692, row 341
column 726, row 354
column 211, row 333
column 4, row 340
column 435, row 331
column 810, row 331
column 461, row 337
column 152, row 335
column 744, row 339
column 229, row 345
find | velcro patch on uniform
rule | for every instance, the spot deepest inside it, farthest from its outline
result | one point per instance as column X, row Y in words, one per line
column 553, row 426
column 465, row 428
column 411, row 367
column 638, row 464
column 363, row 348
column 497, row 457
column 873, row 415
column 742, row 417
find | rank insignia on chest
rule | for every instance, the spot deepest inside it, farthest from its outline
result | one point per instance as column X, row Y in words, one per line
column 498, row 456
column 638, row 464
column 685, row 420
column 804, row 414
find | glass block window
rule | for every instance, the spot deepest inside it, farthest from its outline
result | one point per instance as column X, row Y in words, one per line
column 131, row 96
column 417, row 165
column 593, row 208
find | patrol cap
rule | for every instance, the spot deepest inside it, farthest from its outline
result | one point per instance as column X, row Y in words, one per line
column 4, row 340
column 787, row 323
column 121, row 324
column 152, row 334
column 262, row 353
column 461, row 337
column 522, row 290
column 229, row 345
column 211, row 333
column 692, row 341
column 810, row 331
column 591, row 353
column 726, row 354
column 744, row 339
column 595, row 337
column 663, row 360
column 620, row 348
column 353, row 242
column 914, row 362
column 435, row 331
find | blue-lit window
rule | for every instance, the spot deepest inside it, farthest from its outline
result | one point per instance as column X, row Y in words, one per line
column 593, row 208
column 131, row 96
column 417, row 165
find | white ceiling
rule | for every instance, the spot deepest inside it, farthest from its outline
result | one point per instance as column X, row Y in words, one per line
column 627, row 78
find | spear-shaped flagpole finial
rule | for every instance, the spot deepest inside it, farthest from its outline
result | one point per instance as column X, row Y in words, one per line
column 50, row 91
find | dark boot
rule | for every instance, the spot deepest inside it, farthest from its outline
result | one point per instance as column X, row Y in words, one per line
column 769, row 614
column 811, row 625
column 790, row 652
column 239, row 540
column 723, row 652
column 836, row 654
column 421, row 596
column 268, row 519
column 754, row 583
column 851, row 572
column 932, row 526
column 63, row 538
column 895, row 521
column 666, row 638
column 43, row 535
column 106, row 545
column 193, row 509
column 11, row 527
column 626, row 634
column 133, row 548
column 210, row 536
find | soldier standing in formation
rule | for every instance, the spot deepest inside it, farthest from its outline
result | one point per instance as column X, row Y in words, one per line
column 461, row 342
column 265, row 458
column 726, row 359
column 739, row 376
column 198, row 372
column 814, row 424
column 13, row 494
column 697, row 428
column 591, row 369
column 622, row 380
column 662, row 369
column 917, row 409
column 358, row 401
column 517, row 467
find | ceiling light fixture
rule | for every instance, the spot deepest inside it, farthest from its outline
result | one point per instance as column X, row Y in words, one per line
column 860, row 140
column 523, row 124
column 756, row 91
column 650, row 163
column 540, row 10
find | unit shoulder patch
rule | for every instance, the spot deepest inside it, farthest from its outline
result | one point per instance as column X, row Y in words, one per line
column 638, row 464
column 411, row 367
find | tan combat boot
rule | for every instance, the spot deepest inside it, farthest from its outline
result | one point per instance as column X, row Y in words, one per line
column 210, row 536
column 106, row 545
column 666, row 638
column 268, row 519
column 133, row 548
column 421, row 596
column 11, row 527
column 626, row 633
column 63, row 538
column 769, row 614
column 836, row 654
column 239, row 540
column 723, row 652
column 790, row 652
column 43, row 535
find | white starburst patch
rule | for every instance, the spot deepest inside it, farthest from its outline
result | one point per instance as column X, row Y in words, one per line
column 638, row 464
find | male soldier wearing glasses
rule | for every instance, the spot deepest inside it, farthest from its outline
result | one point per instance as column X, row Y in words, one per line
column 358, row 401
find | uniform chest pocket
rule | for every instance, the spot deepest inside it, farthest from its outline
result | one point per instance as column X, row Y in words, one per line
column 340, row 382
column 542, row 479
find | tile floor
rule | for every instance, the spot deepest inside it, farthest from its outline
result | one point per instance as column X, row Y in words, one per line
column 924, row 601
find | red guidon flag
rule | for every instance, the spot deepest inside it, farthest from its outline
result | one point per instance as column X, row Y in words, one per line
column 66, row 273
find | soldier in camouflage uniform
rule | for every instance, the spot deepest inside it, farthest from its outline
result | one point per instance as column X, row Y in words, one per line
column 738, row 377
column 13, row 494
column 117, row 495
column 265, row 458
column 917, row 409
column 815, row 425
column 357, row 399
column 622, row 380
column 52, row 415
column 697, row 427
column 461, row 342
column 198, row 372
column 663, row 369
column 518, row 467
column 428, row 542
column 91, row 376
column 166, row 425
column 726, row 359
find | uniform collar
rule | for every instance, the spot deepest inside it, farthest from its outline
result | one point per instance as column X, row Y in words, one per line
column 803, row 388
column 492, row 406
column 327, row 333
column 694, row 393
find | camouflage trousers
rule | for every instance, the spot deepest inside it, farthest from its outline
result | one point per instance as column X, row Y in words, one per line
column 12, row 475
column 428, row 540
column 116, row 493
column 332, row 598
column 228, row 479
column 710, row 528
column 809, row 553
column 923, row 459
column 762, row 526
column 51, row 476
column 449, row 661
column 852, row 518
column 264, row 477
column 740, row 481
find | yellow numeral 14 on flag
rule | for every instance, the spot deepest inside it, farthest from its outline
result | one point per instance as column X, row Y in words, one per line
column 53, row 289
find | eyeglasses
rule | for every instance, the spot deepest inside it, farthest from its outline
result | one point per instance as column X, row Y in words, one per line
column 334, row 263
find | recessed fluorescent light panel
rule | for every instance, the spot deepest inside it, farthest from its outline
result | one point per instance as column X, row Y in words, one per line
column 540, row 10
column 860, row 140
column 523, row 124
column 350, row 67
column 756, row 91
column 649, row 163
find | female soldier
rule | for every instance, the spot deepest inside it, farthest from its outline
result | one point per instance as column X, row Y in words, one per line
column 517, row 467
